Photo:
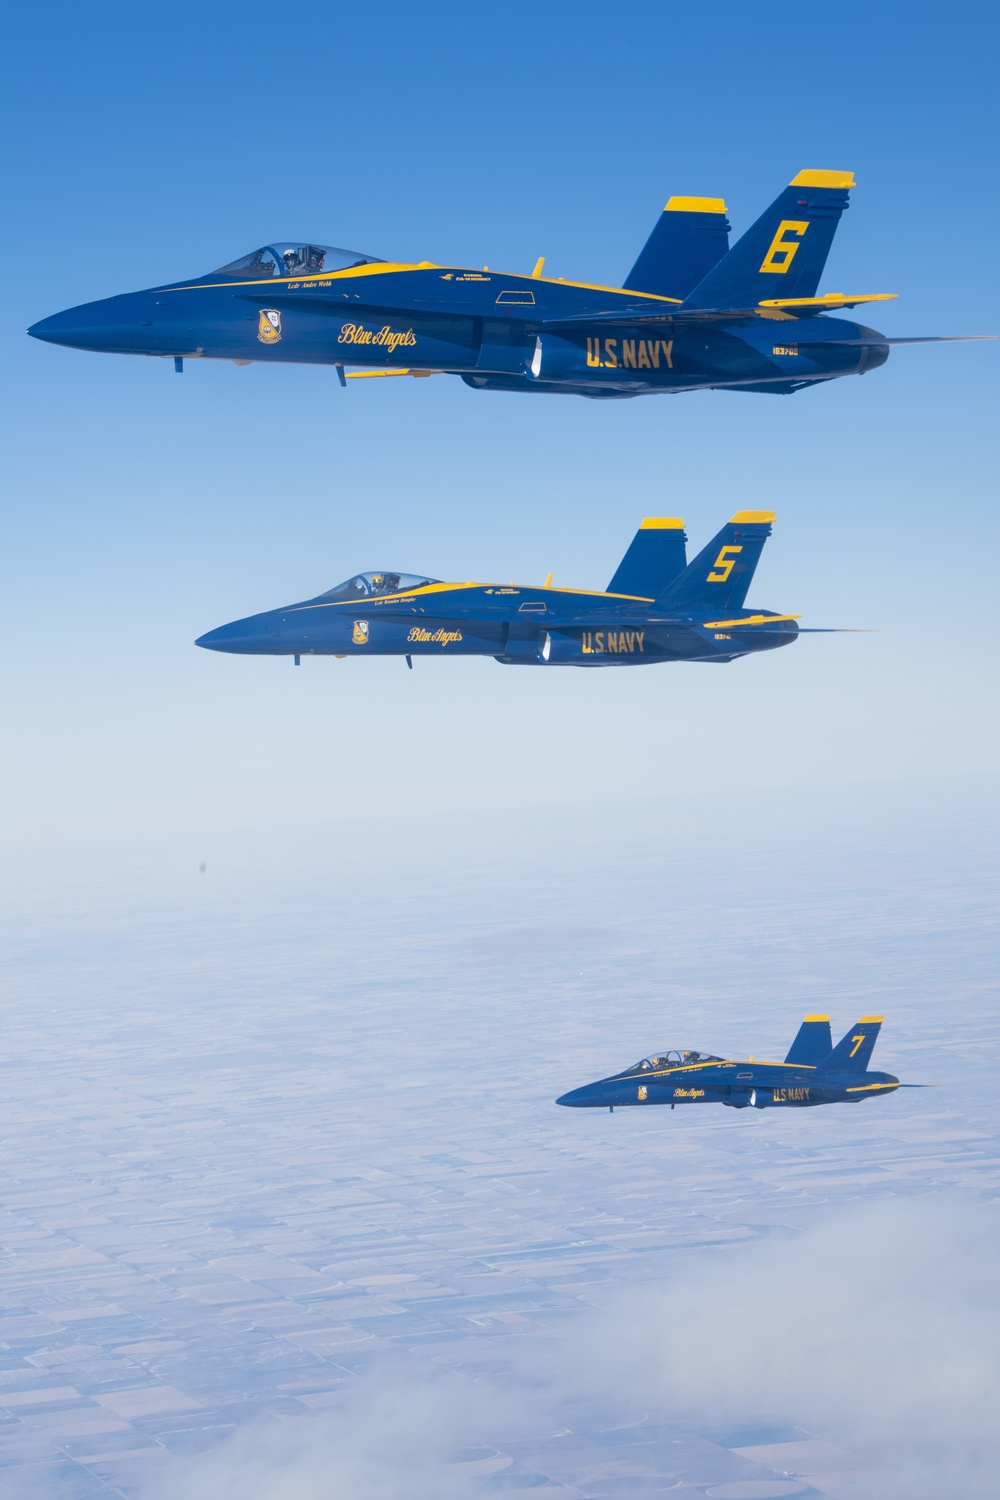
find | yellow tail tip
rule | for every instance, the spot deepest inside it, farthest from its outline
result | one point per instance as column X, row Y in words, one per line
column 816, row 1018
column 761, row 516
column 662, row 523
column 695, row 206
column 871, row 1020
column 811, row 178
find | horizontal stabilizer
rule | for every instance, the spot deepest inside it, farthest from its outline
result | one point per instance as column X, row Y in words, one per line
column 813, row 1042
column 934, row 338
column 689, row 238
column 853, row 1052
column 657, row 555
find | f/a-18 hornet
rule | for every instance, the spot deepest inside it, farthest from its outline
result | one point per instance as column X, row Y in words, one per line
column 656, row 608
column 814, row 1072
column 691, row 314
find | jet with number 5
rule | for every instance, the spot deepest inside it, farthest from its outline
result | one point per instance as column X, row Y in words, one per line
column 657, row 608
column 814, row 1072
column 692, row 314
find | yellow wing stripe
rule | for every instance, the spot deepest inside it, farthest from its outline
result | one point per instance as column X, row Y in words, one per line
column 813, row 178
column 867, row 1088
column 750, row 620
column 829, row 299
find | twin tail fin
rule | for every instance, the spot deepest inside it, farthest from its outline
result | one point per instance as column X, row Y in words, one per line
column 719, row 577
column 813, row 1042
column 689, row 238
column 782, row 255
column 658, row 554
column 853, row 1052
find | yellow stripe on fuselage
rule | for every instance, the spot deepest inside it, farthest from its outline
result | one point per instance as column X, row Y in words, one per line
column 726, row 1063
column 446, row 588
column 384, row 268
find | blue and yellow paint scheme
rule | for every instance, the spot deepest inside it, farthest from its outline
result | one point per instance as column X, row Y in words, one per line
column 657, row 608
column 814, row 1072
column 692, row 314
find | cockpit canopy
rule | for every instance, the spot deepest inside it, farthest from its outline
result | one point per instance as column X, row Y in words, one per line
column 376, row 585
column 290, row 259
column 673, row 1057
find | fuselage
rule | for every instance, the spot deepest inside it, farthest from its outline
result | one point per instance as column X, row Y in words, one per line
column 761, row 1085
column 496, row 330
column 530, row 626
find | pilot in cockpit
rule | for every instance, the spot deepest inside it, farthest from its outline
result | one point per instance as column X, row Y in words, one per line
column 385, row 583
column 303, row 260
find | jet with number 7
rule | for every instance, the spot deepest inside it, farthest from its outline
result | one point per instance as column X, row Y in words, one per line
column 692, row 314
column 814, row 1072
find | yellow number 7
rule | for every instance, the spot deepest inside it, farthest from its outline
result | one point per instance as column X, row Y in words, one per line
column 857, row 1040
column 723, row 565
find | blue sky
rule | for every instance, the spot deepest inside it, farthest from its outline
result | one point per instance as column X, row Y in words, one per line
column 147, row 508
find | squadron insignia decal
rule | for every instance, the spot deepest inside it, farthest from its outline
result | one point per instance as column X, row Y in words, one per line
column 269, row 326
column 359, row 636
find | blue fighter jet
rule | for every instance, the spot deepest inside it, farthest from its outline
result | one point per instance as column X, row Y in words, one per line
column 814, row 1072
column 692, row 314
column 657, row 608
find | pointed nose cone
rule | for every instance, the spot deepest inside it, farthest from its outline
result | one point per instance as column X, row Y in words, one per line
column 257, row 635
column 582, row 1098
column 112, row 326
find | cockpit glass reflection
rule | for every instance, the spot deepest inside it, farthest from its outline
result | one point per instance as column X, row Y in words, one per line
column 376, row 585
column 673, row 1057
column 285, row 259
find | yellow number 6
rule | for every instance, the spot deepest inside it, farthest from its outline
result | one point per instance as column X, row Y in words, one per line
column 781, row 252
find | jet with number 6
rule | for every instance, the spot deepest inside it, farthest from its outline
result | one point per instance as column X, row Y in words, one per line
column 692, row 314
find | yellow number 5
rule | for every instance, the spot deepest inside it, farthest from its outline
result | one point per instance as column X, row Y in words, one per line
column 723, row 565
column 857, row 1040
column 782, row 252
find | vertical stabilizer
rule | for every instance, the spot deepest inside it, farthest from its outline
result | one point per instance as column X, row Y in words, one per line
column 783, row 254
column 657, row 555
column 853, row 1052
column 813, row 1042
column 688, row 239
column 720, row 575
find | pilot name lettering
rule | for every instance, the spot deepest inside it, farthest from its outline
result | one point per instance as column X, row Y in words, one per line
column 435, row 637
column 605, row 642
column 380, row 338
column 790, row 1096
